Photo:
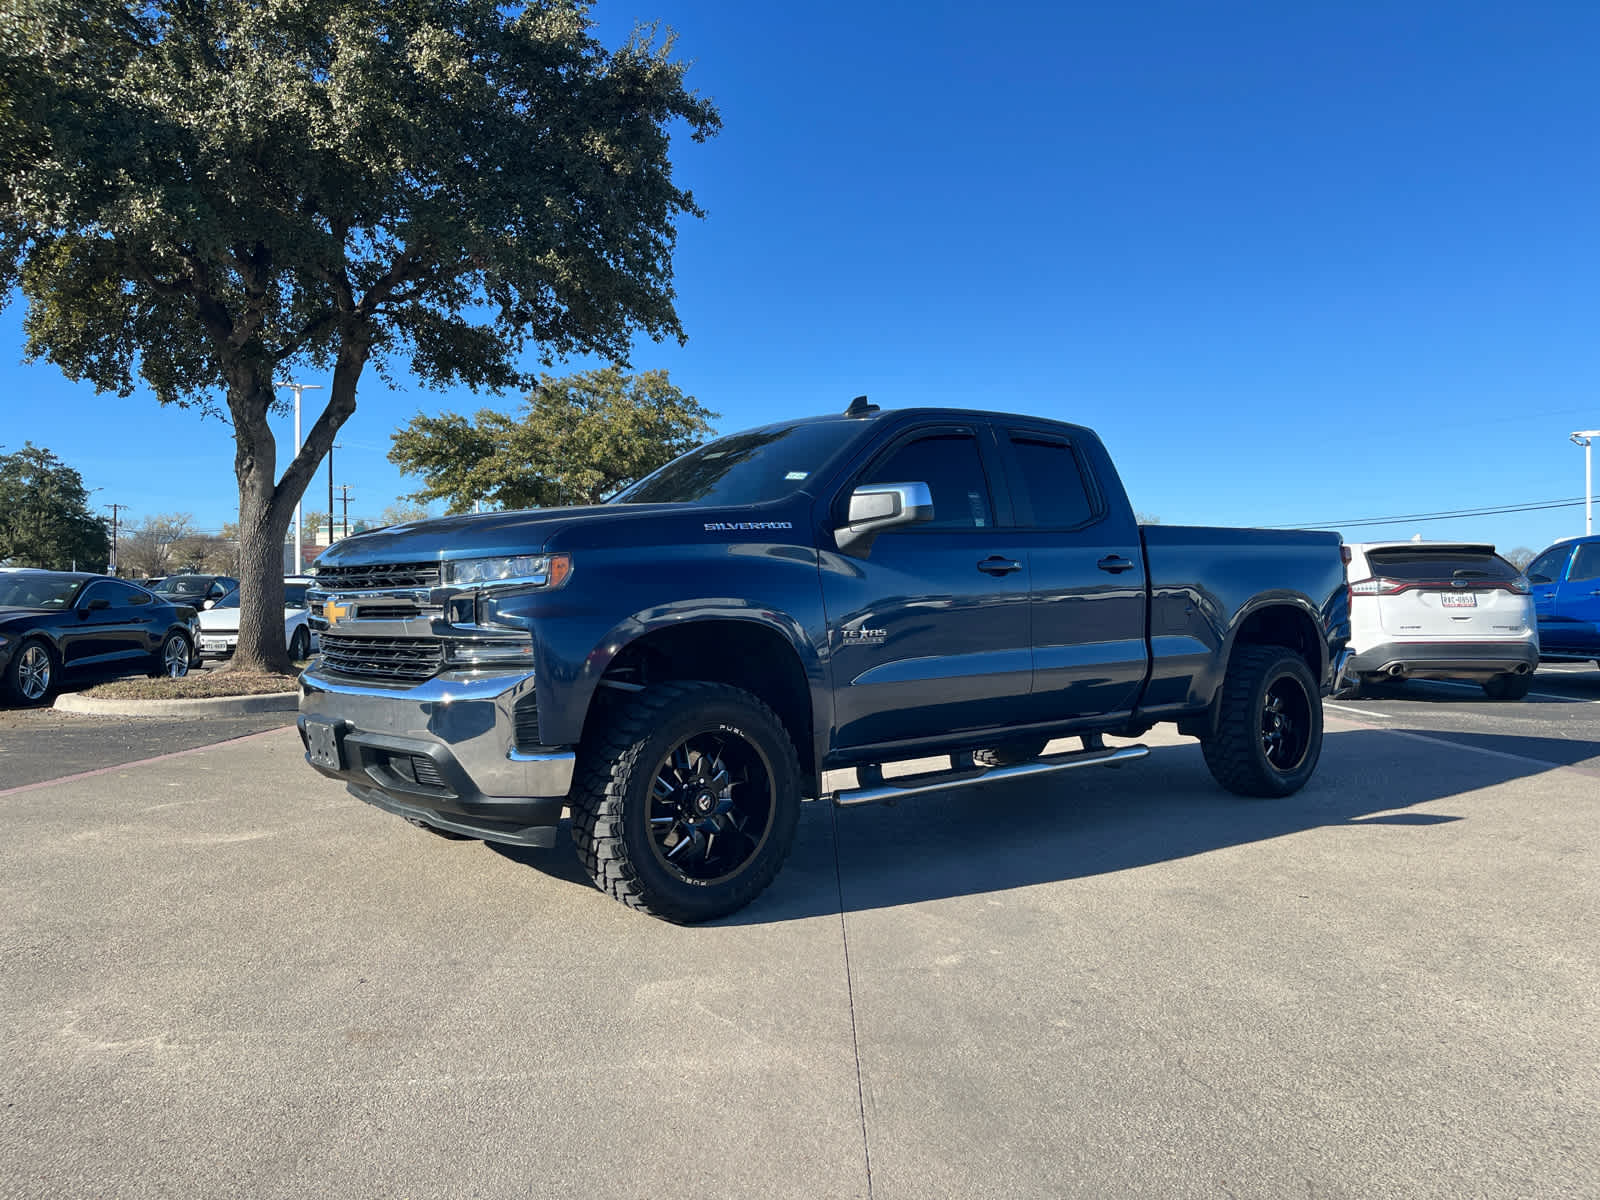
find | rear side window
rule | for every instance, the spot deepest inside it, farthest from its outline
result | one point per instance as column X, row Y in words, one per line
column 949, row 463
column 1547, row 567
column 1052, row 479
column 1586, row 562
column 1440, row 564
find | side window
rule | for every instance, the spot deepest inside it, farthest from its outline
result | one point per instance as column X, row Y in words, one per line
column 1547, row 567
column 1053, row 480
column 121, row 595
column 1586, row 562
column 949, row 463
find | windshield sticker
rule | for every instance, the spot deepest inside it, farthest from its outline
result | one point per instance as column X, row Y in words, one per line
column 980, row 510
column 741, row 526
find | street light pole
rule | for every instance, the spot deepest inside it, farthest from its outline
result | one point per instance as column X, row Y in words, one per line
column 297, row 389
column 1582, row 438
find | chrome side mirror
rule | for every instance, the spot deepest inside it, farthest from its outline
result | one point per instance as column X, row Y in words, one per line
column 879, row 507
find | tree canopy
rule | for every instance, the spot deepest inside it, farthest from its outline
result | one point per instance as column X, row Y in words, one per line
column 45, row 520
column 209, row 196
column 578, row 439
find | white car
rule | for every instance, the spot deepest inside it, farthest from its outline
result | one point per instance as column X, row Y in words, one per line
column 1439, row 610
column 219, row 624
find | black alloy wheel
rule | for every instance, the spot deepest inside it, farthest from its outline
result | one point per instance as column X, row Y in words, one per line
column 1268, row 734
column 300, row 646
column 1286, row 723
column 685, row 800
column 711, row 806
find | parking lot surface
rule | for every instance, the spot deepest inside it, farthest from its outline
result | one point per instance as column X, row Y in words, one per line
column 223, row 976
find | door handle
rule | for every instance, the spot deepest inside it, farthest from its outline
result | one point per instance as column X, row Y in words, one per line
column 995, row 565
column 1115, row 563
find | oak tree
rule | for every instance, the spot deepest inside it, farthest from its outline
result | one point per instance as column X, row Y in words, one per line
column 210, row 195
column 578, row 439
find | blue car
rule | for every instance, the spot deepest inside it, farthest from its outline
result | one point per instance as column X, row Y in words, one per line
column 1565, row 582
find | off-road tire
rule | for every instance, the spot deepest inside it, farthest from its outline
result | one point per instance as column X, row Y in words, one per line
column 1508, row 687
column 12, row 689
column 611, row 797
column 1010, row 754
column 1237, row 752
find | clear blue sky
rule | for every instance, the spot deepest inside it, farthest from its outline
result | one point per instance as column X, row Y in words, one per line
column 1295, row 262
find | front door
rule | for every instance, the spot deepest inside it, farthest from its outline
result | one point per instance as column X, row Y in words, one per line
column 1577, row 602
column 928, row 635
column 1544, row 580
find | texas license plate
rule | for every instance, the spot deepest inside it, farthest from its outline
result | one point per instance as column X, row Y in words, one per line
column 1458, row 600
column 322, row 744
column 213, row 643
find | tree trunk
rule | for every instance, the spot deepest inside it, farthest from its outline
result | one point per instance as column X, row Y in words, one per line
column 266, row 506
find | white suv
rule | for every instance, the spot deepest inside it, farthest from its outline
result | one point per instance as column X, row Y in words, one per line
column 1440, row 610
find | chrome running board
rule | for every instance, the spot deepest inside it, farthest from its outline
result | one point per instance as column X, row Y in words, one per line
column 944, row 781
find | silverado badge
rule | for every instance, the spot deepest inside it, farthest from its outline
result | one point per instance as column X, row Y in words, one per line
column 335, row 612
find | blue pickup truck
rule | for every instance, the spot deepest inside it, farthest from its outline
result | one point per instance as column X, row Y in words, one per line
column 681, row 665
column 1565, row 583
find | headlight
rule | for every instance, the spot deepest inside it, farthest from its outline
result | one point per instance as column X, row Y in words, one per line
column 529, row 570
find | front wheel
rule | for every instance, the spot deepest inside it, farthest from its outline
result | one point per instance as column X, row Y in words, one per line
column 1269, row 724
column 686, row 801
column 300, row 645
column 1508, row 687
column 31, row 674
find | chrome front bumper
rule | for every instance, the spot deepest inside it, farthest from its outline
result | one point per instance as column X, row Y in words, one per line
column 443, row 751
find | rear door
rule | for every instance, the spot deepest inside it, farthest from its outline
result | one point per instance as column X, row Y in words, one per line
column 928, row 635
column 1448, row 593
column 1577, row 602
column 1087, row 596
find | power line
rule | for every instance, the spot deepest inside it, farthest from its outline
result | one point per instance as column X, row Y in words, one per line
column 1454, row 514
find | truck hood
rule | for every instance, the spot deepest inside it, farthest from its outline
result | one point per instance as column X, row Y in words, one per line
column 526, row 531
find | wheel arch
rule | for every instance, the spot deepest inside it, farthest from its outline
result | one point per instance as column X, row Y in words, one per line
column 1289, row 620
column 756, row 655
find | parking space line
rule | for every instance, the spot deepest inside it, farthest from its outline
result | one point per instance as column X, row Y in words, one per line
column 138, row 762
column 1360, row 712
column 1548, row 764
column 1541, row 695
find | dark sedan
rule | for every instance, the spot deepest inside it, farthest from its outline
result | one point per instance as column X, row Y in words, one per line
column 55, row 624
column 198, row 591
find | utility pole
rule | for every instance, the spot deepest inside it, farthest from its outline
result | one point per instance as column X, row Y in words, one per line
column 344, row 488
column 331, row 449
column 297, row 388
column 115, row 508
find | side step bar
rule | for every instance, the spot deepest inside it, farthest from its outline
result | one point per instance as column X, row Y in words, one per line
column 943, row 781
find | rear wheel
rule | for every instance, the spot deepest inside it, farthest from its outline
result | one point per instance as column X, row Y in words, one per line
column 1269, row 724
column 174, row 658
column 1508, row 687
column 686, row 801
column 31, row 674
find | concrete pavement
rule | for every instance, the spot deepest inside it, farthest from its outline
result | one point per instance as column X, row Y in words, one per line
column 223, row 976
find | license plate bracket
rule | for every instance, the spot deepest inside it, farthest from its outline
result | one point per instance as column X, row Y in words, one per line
column 323, row 747
column 1458, row 600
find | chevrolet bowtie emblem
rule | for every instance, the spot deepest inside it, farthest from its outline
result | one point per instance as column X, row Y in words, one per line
column 335, row 612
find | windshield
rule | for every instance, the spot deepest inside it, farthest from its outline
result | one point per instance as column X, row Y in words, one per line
column 38, row 591
column 294, row 596
column 746, row 468
column 186, row 585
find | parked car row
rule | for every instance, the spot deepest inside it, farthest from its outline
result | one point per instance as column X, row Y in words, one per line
column 1458, row 610
column 55, row 624
column 219, row 624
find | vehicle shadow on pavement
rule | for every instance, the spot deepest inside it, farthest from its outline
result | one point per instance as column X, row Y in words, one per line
column 1097, row 821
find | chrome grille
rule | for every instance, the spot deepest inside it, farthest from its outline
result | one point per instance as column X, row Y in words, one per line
column 383, row 658
column 373, row 576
